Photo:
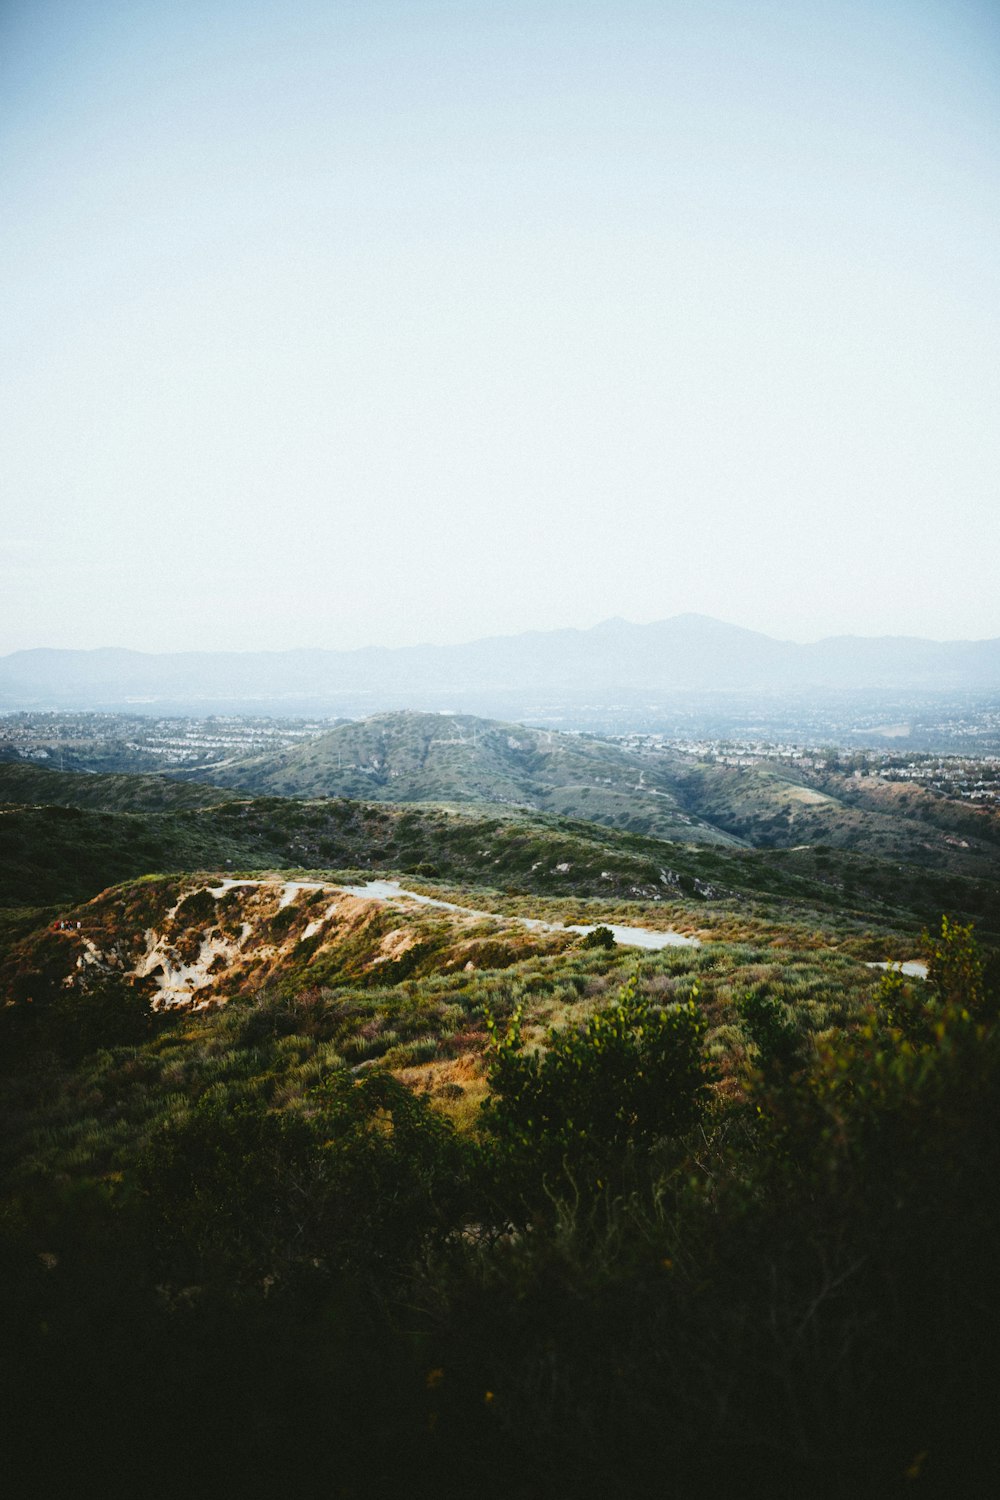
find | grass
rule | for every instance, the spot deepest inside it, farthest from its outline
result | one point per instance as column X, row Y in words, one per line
column 791, row 1292
column 280, row 1246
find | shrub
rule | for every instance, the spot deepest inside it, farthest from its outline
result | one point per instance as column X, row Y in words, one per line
column 241, row 1191
column 904, row 1006
column 773, row 1035
column 959, row 983
column 283, row 920
column 955, row 966
column 626, row 1078
column 598, row 937
column 110, row 1010
column 196, row 908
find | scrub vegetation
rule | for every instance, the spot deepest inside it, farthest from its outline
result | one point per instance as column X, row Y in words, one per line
column 52, row 854
column 562, row 1226
column 402, row 1200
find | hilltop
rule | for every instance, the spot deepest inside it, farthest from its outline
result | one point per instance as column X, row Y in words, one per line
column 413, row 757
column 649, row 790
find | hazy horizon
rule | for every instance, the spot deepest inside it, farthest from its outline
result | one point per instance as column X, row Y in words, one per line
column 385, row 324
column 375, row 645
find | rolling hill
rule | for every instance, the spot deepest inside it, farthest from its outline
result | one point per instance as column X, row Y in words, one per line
column 60, row 853
column 22, row 782
column 660, row 793
column 772, row 807
column 411, row 757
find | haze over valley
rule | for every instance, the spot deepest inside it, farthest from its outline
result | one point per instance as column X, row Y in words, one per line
column 613, row 663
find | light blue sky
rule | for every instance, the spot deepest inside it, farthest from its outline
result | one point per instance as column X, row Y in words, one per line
column 368, row 323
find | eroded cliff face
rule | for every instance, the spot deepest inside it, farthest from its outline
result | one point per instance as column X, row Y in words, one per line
column 195, row 942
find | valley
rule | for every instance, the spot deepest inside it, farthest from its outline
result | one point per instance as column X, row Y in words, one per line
column 499, row 751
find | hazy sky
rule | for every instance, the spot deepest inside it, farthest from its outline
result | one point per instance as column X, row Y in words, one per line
column 349, row 323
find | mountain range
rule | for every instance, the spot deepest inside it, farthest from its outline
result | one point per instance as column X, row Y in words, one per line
column 688, row 652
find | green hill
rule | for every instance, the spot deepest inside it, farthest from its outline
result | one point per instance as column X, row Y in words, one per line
column 413, row 757
column 40, row 786
column 474, row 1199
column 53, row 855
column 458, row 759
column 772, row 807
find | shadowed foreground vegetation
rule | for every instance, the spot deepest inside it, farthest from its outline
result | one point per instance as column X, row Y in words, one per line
column 726, row 1223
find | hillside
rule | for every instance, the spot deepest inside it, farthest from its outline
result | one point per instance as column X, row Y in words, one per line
column 411, row 757
column 52, row 856
column 59, row 854
column 406, row 758
column 413, row 1164
column 421, row 1165
column 771, row 807
column 21, row 782
column 190, row 943
column 659, row 793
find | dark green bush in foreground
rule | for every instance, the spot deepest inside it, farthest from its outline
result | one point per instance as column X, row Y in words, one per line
column 598, row 937
column 784, row 1288
column 368, row 1176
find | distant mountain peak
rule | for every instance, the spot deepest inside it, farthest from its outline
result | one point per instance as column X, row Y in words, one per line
column 610, row 662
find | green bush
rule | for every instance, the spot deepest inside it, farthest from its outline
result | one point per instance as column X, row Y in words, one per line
column 283, row 920
column 959, row 983
column 240, row 1191
column 773, row 1035
column 598, row 937
column 903, row 1004
column 195, row 909
column 111, row 1010
column 626, row 1078
column 955, row 966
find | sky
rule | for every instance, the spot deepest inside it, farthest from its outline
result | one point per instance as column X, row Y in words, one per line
column 369, row 323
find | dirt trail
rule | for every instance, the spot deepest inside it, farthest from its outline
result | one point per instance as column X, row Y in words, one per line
column 186, row 961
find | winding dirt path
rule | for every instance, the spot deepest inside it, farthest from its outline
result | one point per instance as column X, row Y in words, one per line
column 628, row 937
